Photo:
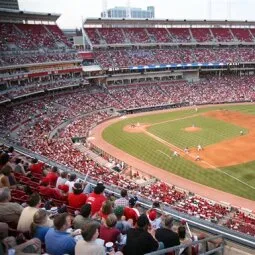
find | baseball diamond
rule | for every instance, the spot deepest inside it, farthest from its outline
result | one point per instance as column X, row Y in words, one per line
column 226, row 162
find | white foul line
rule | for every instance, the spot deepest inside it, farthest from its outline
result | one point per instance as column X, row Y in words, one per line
column 180, row 150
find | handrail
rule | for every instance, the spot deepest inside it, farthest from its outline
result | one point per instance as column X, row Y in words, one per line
column 183, row 246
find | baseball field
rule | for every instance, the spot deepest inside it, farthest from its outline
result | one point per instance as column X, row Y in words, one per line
column 226, row 134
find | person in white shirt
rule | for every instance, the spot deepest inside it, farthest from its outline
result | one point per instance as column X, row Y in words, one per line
column 71, row 182
column 62, row 179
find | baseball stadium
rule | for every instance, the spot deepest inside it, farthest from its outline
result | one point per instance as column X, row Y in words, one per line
column 160, row 110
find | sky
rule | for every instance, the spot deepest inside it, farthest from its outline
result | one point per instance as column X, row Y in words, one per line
column 73, row 10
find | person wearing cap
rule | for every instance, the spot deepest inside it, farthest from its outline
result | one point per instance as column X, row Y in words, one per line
column 57, row 240
column 131, row 212
column 122, row 201
column 154, row 220
column 166, row 235
column 77, row 198
column 141, row 240
column 96, row 198
column 122, row 225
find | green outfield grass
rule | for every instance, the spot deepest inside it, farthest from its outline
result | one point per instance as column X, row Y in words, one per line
column 238, row 180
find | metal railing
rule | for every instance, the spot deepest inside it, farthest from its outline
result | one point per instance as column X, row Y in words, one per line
column 200, row 243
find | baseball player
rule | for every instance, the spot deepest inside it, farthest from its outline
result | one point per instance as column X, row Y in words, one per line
column 197, row 158
column 175, row 154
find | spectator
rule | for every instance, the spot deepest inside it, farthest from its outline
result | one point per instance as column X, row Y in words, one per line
column 32, row 246
column 57, row 240
column 77, row 198
column 166, row 235
column 184, row 240
column 52, row 176
column 36, row 167
column 40, row 225
column 122, row 225
column 19, row 168
column 106, row 209
column 84, row 217
column 46, row 190
column 88, row 246
column 4, row 176
column 26, row 217
column 9, row 212
column 71, row 182
column 123, row 201
column 131, row 212
column 154, row 220
column 61, row 192
column 62, row 179
column 4, row 159
column 108, row 231
column 96, row 198
column 140, row 240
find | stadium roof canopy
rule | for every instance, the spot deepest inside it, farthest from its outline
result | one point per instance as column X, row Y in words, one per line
column 8, row 15
column 104, row 22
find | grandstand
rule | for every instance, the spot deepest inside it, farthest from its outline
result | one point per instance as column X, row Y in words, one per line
column 51, row 95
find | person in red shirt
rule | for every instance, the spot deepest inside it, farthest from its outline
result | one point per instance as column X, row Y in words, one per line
column 77, row 199
column 131, row 212
column 108, row 232
column 52, row 176
column 46, row 190
column 61, row 192
column 96, row 198
column 36, row 167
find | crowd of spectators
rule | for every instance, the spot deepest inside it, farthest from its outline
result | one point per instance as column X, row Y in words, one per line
column 54, row 210
column 38, row 57
column 31, row 37
column 168, row 35
column 127, row 57
column 211, row 90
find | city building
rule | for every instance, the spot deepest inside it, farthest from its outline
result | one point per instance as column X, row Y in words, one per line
column 134, row 13
column 9, row 4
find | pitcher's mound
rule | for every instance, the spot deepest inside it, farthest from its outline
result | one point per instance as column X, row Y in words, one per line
column 192, row 129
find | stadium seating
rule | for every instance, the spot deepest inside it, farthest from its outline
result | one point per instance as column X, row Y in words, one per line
column 31, row 37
